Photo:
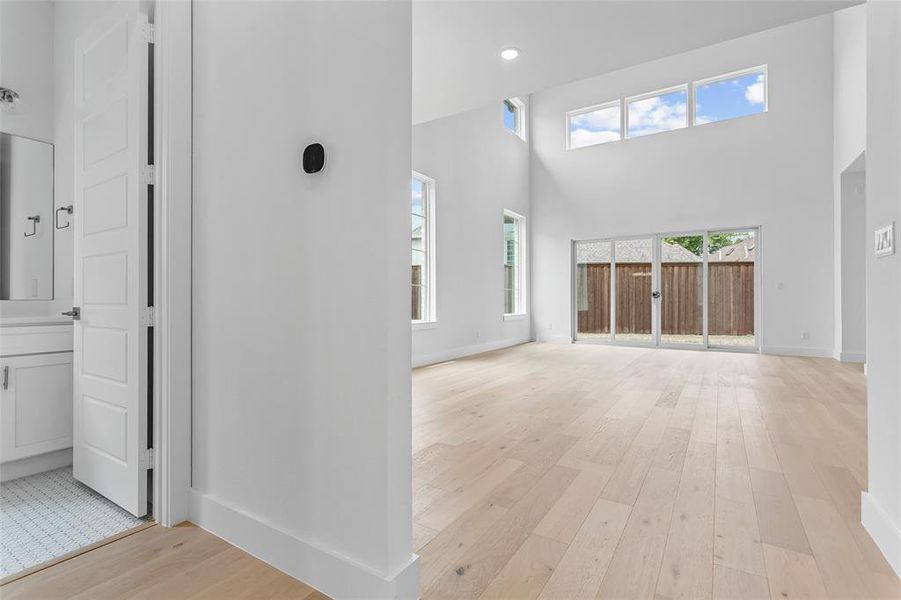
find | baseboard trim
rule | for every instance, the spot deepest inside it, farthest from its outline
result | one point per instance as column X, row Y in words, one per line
column 852, row 357
column 797, row 351
column 555, row 339
column 332, row 574
column 884, row 532
column 35, row 464
column 461, row 352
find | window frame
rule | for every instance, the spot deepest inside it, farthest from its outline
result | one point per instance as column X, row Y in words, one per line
column 653, row 94
column 520, row 106
column 520, row 290
column 567, row 117
column 760, row 69
column 429, row 278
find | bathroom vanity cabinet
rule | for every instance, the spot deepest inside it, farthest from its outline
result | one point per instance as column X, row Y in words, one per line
column 35, row 394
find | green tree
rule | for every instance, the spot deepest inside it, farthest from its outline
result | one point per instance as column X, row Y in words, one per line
column 695, row 243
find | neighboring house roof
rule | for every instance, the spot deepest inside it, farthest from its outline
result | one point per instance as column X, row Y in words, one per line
column 743, row 251
column 632, row 251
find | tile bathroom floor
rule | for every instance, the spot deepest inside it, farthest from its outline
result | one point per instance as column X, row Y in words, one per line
column 50, row 514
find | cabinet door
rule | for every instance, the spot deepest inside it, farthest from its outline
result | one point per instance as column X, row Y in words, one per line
column 35, row 405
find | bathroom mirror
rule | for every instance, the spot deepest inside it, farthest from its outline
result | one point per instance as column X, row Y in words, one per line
column 26, row 219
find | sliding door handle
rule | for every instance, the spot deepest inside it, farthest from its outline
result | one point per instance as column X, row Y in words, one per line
column 6, row 377
column 75, row 313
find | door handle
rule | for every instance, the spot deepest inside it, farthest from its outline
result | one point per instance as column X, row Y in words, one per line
column 75, row 313
column 6, row 377
column 655, row 295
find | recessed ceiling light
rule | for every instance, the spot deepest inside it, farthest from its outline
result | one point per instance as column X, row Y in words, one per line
column 510, row 53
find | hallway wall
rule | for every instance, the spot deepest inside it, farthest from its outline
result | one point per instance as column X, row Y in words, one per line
column 301, row 339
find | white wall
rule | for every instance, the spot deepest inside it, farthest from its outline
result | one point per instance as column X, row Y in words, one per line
column 27, row 48
column 851, row 336
column 26, row 66
column 480, row 169
column 850, row 130
column 301, row 324
column 43, row 69
column 772, row 170
column 881, row 506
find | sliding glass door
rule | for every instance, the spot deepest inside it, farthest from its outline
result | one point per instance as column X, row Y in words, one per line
column 694, row 289
column 593, row 266
column 681, row 302
column 731, row 297
column 633, row 266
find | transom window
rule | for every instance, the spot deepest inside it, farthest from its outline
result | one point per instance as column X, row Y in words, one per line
column 515, row 116
column 730, row 96
column 594, row 125
column 514, row 264
column 422, row 193
column 658, row 111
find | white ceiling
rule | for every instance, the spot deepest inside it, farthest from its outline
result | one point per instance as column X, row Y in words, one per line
column 456, row 43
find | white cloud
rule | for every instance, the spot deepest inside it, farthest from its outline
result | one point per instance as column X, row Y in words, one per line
column 654, row 114
column 603, row 119
column 586, row 137
column 754, row 93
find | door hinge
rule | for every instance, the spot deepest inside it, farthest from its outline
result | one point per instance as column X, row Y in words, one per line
column 148, row 317
column 149, row 33
column 147, row 458
column 148, row 174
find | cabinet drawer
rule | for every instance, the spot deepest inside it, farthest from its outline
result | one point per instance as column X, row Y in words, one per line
column 35, row 339
column 35, row 404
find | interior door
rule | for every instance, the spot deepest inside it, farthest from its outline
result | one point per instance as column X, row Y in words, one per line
column 110, row 220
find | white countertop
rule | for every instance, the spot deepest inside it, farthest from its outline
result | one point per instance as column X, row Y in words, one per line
column 35, row 320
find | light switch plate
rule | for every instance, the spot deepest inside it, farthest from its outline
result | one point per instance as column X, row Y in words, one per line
column 884, row 241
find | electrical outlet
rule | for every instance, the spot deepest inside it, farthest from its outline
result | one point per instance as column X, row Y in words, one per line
column 478, row 333
column 805, row 335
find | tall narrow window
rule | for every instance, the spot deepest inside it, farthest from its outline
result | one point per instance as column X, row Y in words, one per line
column 515, row 116
column 514, row 264
column 730, row 96
column 422, row 192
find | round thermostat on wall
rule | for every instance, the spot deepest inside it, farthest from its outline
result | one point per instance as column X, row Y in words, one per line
column 313, row 158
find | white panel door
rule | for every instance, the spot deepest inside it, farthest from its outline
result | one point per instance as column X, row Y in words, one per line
column 110, row 219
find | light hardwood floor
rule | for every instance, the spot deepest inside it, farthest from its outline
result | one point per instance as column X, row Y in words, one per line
column 575, row 471
column 161, row 564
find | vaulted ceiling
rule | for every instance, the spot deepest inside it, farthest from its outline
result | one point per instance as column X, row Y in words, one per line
column 456, row 43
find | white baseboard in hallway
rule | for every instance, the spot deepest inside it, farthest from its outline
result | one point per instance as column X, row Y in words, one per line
column 884, row 532
column 335, row 575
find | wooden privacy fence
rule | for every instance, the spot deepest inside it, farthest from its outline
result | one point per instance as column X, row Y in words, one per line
column 730, row 306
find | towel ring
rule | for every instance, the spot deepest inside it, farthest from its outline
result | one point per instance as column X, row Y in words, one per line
column 68, row 210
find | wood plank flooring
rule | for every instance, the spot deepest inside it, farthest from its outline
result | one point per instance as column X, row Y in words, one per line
column 569, row 472
column 575, row 471
column 162, row 564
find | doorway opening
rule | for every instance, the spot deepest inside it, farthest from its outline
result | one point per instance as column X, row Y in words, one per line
column 77, row 457
column 677, row 290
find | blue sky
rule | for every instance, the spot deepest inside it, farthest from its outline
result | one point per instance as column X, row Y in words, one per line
column 731, row 98
column 658, row 113
column 717, row 101
column 509, row 119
